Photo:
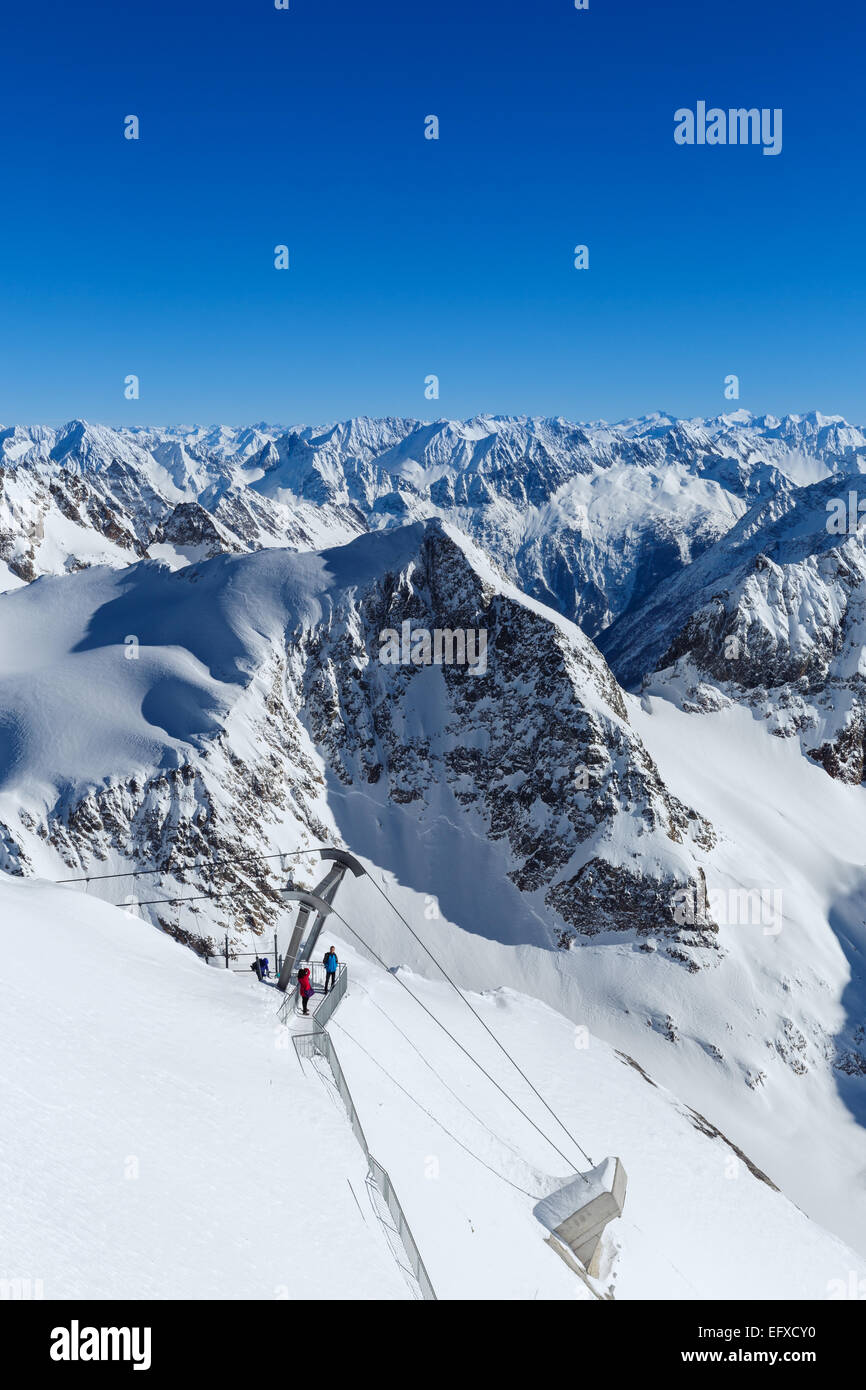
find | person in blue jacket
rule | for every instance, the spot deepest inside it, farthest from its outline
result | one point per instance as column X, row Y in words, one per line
column 330, row 963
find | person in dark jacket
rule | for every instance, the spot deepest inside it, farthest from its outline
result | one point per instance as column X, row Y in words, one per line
column 330, row 962
column 305, row 986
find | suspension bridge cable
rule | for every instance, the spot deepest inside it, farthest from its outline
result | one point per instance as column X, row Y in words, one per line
column 312, row 850
column 474, row 1011
column 402, row 983
column 459, row 1044
column 536, row 1197
column 239, row 859
column 429, row 1065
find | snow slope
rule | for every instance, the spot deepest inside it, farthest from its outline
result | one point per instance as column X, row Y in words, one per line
column 698, row 1222
column 158, row 1139
column 757, row 1043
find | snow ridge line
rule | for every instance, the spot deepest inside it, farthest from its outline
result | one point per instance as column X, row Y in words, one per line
column 319, row 1042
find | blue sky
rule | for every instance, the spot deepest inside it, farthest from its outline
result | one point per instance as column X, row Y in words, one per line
column 412, row 257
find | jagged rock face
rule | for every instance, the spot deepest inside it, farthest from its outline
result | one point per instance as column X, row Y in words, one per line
column 79, row 504
column 851, row 1059
column 189, row 524
column 202, row 826
column 275, row 667
column 613, row 898
column 62, row 521
column 537, row 750
column 773, row 618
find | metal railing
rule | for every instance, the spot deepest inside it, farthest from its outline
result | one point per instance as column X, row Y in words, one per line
column 382, row 1179
column 309, row 1045
column 322, row 1005
column 318, row 1043
column 248, row 959
column 333, row 997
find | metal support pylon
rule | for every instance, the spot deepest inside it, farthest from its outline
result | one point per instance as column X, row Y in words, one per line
column 319, row 901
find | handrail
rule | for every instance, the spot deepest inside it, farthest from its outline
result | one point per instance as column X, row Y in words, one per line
column 319, row 1041
column 325, row 1007
column 333, row 997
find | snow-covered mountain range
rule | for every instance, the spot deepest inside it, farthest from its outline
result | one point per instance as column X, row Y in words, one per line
column 586, row 518
column 645, row 811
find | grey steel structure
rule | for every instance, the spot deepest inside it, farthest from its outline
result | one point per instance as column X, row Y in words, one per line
column 319, row 901
column 318, row 1043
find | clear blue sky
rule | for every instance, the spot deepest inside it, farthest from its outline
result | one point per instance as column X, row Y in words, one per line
column 409, row 256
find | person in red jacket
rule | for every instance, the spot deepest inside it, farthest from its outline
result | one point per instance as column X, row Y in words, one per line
column 305, row 985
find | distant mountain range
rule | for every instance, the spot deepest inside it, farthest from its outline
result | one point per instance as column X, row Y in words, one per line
column 589, row 519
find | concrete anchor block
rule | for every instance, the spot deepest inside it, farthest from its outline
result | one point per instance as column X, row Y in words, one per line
column 581, row 1232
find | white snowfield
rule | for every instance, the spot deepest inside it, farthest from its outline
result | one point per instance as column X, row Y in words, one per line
column 745, row 1041
column 160, row 1139
column 697, row 1223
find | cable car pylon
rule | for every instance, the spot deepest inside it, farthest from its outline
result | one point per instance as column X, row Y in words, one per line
column 319, row 901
